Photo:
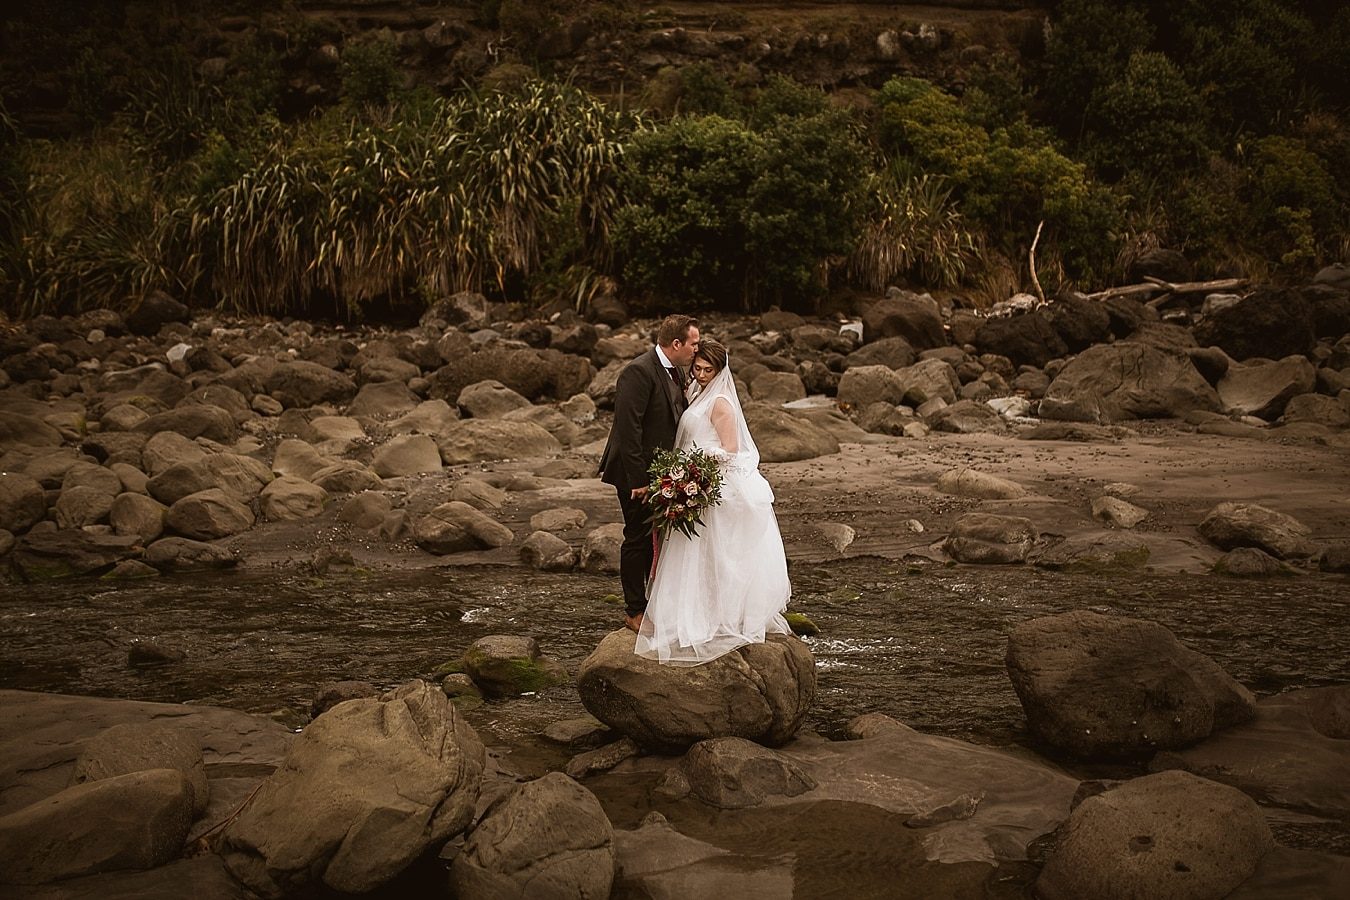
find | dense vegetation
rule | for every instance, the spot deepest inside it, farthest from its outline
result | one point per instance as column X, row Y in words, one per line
column 1219, row 130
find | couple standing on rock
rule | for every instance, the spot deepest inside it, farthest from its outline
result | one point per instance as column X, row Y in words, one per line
column 727, row 586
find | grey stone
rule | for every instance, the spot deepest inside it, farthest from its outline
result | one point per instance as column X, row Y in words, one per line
column 138, row 516
column 600, row 551
column 760, row 691
column 175, row 554
column 1117, row 512
column 455, row 527
column 478, row 440
column 126, row 748
column 346, row 477
column 1100, row 686
column 1127, row 380
column 23, row 503
column 409, row 454
column 548, row 553
column 1264, row 388
column 548, row 839
column 288, row 498
column 505, row 665
column 966, row 482
column 132, row 821
column 207, row 515
column 1165, row 835
column 990, row 539
column 365, row 790
column 733, row 773
column 80, row 506
column 1230, row 525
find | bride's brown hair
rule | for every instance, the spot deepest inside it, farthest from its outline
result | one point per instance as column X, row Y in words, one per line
column 712, row 352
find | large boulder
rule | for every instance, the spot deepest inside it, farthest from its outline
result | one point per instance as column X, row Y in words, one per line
column 986, row 538
column 967, row 482
column 1265, row 388
column 1078, row 321
column 40, row 556
column 169, row 448
column 547, row 839
column 156, row 310
column 893, row 352
column 126, row 748
column 967, row 417
column 406, row 454
column 428, row 417
column 489, row 400
column 1318, row 409
column 1271, row 323
column 80, row 506
column 297, row 458
column 864, row 385
column 733, row 773
column 760, row 691
column 1229, row 525
column 928, row 379
column 138, row 516
column 193, row 421
column 382, row 399
column 23, row 503
column 346, row 476
column 912, row 317
column 1098, row 686
column 476, row 440
column 179, row 480
column 365, row 790
column 1127, row 380
column 534, row 374
column 176, row 554
column 600, row 551
column 299, row 383
column 1027, row 340
column 1167, row 835
column 455, row 527
column 288, row 498
column 136, row 820
column 1295, row 753
column 782, row 437
column 207, row 515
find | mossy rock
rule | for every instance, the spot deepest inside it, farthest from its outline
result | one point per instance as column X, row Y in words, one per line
column 449, row 667
column 801, row 625
column 508, row 666
column 612, row 599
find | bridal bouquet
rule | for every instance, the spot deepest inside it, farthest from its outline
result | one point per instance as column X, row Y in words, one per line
column 684, row 483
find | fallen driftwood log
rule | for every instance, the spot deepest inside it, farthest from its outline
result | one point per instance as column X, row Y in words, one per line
column 1166, row 290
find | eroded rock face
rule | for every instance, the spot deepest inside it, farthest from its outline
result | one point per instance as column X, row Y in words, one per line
column 1166, row 835
column 761, row 692
column 1265, row 388
column 987, row 538
column 126, row 748
column 1127, row 380
column 1231, row 525
column 131, row 821
column 783, row 437
column 456, row 527
column 548, row 839
column 1098, row 686
column 367, row 788
column 733, row 773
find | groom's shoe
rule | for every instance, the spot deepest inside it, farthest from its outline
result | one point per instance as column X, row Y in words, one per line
column 632, row 623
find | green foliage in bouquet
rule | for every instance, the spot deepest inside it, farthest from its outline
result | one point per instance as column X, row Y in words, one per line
column 684, row 485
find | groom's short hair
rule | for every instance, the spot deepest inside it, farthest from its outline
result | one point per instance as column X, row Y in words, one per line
column 674, row 328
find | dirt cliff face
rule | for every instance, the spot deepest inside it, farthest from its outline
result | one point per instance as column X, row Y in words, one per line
column 618, row 48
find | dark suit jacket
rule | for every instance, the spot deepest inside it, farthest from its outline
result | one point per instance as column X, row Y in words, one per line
column 647, row 407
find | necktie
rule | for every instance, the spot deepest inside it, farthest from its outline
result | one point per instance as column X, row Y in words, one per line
column 675, row 376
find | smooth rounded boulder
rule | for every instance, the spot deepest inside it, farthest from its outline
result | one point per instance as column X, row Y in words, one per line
column 455, row 527
column 125, row 748
column 207, row 515
column 364, row 791
column 1167, row 835
column 761, row 692
column 133, row 821
column 989, row 539
column 23, row 503
column 1111, row 687
column 781, row 436
column 507, row 665
column 733, row 773
column 477, row 440
column 1232, row 525
column 547, row 839
column 288, row 498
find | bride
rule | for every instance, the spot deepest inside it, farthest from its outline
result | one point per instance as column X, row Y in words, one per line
column 727, row 586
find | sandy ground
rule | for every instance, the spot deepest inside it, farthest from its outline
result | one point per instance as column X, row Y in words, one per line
column 878, row 485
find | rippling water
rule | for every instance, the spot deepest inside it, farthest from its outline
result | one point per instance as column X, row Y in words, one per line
column 922, row 643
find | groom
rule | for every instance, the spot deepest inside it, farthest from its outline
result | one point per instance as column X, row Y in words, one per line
column 648, row 402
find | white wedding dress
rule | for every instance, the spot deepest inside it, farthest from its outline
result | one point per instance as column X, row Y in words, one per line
column 728, row 585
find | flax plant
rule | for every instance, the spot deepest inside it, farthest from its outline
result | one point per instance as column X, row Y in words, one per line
column 915, row 231
column 458, row 202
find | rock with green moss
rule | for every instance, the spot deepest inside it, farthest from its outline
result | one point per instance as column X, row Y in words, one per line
column 1103, row 552
column 801, row 625
column 1250, row 562
column 504, row 665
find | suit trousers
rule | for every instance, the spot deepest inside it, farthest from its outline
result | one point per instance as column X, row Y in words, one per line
column 635, row 555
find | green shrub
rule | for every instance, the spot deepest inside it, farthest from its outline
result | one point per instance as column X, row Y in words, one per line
column 1149, row 120
column 1005, row 181
column 722, row 214
column 913, row 231
column 370, row 73
column 1089, row 46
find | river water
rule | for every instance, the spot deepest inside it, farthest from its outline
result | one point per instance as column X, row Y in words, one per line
column 921, row 642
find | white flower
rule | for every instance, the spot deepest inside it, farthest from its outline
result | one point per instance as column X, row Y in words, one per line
column 667, row 492
column 691, row 488
column 677, row 473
